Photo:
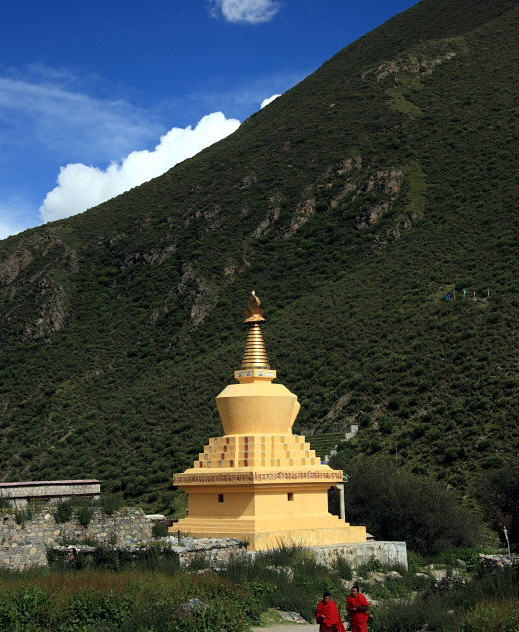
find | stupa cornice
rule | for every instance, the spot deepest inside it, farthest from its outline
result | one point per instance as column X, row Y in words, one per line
column 254, row 476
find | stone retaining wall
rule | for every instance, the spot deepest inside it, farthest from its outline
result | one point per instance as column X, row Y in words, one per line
column 388, row 553
column 25, row 545
column 217, row 551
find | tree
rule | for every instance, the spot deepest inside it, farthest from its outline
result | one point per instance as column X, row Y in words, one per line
column 397, row 505
column 498, row 492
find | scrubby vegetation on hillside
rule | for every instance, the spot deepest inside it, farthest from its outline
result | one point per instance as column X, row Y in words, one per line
column 352, row 204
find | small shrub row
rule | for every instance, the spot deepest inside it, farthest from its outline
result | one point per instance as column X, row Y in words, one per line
column 83, row 509
column 152, row 558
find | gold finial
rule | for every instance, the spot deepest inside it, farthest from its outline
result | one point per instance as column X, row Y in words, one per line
column 254, row 312
column 255, row 354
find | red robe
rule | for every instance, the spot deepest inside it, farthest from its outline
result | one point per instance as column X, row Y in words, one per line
column 328, row 617
column 358, row 620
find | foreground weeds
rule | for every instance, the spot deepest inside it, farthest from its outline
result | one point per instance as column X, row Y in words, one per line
column 130, row 601
column 233, row 597
column 464, row 608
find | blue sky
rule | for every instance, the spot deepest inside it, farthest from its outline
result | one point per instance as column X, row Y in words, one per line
column 97, row 97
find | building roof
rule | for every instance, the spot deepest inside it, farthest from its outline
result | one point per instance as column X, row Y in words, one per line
column 33, row 483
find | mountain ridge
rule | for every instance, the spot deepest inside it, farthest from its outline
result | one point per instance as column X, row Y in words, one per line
column 336, row 203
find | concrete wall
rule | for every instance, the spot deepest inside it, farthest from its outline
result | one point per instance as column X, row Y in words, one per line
column 219, row 550
column 388, row 553
column 25, row 545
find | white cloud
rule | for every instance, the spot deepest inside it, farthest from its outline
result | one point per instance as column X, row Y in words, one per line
column 81, row 186
column 269, row 100
column 55, row 116
column 246, row 11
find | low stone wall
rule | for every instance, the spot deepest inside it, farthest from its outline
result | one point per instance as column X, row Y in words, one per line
column 214, row 550
column 217, row 550
column 25, row 545
column 356, row 553
column 388, row 553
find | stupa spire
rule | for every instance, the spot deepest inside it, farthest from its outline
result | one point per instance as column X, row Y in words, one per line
column 255, row 354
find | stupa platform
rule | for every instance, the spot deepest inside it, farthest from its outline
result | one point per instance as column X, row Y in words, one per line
column 261, row 535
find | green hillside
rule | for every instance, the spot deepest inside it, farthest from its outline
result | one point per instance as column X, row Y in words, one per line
column 352, row 205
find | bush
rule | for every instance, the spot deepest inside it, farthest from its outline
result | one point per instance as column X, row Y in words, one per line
column 450, row 557
column 84, row 513
column 160, row 530
column 199, row 562
column 152, row 558
column 498, row 492
column 371, row 566
column 285, row 578
column 493, row 616
column 64, row 511
column 468, row 602
column 21, row 516
column 397, row 505
column 95, row 601
column 342, row 568
column 27, row 609
column 110, row 503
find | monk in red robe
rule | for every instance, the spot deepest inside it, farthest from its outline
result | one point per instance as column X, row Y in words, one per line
column 328, row 616
column 357, row 606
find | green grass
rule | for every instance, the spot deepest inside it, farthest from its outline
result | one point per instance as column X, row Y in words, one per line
column 326, row 441
column 490, row 602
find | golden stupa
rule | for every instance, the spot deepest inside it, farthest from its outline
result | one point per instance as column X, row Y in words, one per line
column 259, row 482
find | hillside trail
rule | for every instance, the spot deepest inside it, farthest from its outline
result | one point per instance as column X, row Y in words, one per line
column 289, row 627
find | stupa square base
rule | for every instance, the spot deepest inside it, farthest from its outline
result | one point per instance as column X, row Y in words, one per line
column 271, row 534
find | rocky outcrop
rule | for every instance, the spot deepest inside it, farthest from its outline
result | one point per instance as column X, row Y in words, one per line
column 11, row 267
column 34, row 300
column 337, row 408
column 387, row 184
column 495, row 563
column 304, row 211
column 247, row 181
column 349, row 167
column 420, row 61
column 273, row 212
column 52, row 309
column 215, row 550
column 207, row 216
column 154, row 256
column 36, row 245
column 193, row 291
